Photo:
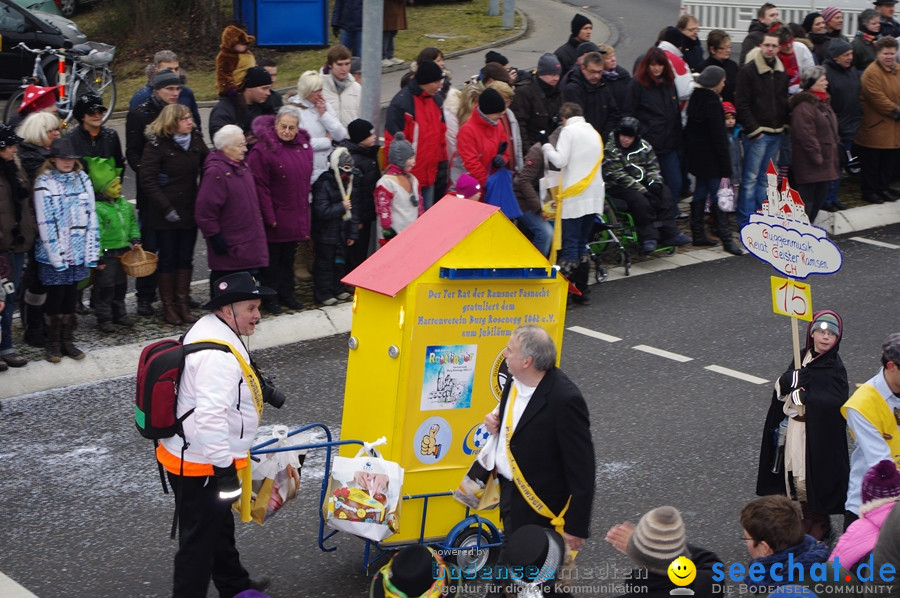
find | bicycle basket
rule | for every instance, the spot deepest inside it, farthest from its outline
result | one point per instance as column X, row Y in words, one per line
column 96, row 53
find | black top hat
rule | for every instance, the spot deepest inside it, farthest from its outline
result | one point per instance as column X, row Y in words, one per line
column 62, row 147
column 411, row 572
column 232, row 288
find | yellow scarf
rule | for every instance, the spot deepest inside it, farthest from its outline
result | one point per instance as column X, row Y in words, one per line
column 570, row 191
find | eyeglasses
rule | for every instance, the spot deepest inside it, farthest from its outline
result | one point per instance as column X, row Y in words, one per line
column 184, row 118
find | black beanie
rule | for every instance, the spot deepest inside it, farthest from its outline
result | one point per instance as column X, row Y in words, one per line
column 257, row 76
column 491, row 102
column 493, row 56
column 360, row 130
column 428, row 72
column 579, row 21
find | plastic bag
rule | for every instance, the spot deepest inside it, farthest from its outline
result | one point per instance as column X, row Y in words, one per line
column 548, row 187
column 276, row 477
column 364, row 494
column 725, row 195
column 498, row 191
column 480, row 488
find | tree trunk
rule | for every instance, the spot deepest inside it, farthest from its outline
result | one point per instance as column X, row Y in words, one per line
column 205, row 22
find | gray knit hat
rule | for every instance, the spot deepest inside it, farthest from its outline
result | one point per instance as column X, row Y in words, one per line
column 658, row 539
column 165, row 78
column 837, row 46
column 401, row 150
column 548, row 64
column 711, row 76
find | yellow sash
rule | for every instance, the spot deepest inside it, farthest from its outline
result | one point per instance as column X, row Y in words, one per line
column 557, row 521
column 570, row 191
column 255, row 387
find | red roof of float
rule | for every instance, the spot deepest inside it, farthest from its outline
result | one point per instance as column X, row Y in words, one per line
column 393, row 267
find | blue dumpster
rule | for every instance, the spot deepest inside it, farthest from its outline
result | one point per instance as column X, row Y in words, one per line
column 284, row 22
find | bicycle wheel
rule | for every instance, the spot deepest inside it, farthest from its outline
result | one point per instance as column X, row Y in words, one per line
column 12, row 105
column 98, row 80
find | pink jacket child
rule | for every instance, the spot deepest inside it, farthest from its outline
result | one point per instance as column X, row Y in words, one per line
column 880, row 492
column 397, row 199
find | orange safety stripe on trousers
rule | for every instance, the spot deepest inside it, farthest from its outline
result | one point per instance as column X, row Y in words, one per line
column 172, row 463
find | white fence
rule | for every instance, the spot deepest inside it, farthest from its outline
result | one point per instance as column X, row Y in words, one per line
column 734, row 16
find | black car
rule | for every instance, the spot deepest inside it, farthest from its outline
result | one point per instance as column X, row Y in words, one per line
column 37, row 30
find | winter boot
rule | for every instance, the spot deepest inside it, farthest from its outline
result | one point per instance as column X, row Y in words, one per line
column 103, row 299
column 580, row 278
column 67, row 335
column 698, row 234
column 302, row 261
column 166, row 287
column 33, row 317
column 119, row 313
column 183, row 295
column 724, row 232
column 52, row 348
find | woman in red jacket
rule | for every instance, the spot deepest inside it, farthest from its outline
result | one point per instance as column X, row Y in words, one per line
column 481, row 137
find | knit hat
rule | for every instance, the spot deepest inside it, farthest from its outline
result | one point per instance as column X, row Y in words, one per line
column 8, row 136
column 837, row 46
column 401, row 150
column 808, row 21
column 360, row 130
column 341, row 161
column 495, row 72
column 658, row 539
column 548, row 64
column 585, row 47
column 830, row 12
column 493, row 56
column 491, row 102
column 102, row 172
column 62, row 147
column 881, row 481
column 890, row 349
column 729, row 108
column 87, row 104
column 467, row 186
column 355, row 65
column 711, row 76
column 165, row 78
column 37, row 99
column 810, row 75
column 537, row 552
column 411, row 572
column 579, row 21
column 826, row 321
column 428, row 72
column 257, row 76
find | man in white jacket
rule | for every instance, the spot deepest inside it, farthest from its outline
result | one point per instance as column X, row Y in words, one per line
column 578, row 154
column 339, row 87
column 221, row 399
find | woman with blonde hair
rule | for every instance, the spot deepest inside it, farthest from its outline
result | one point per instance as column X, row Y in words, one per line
column 170, row 172
column 318, row 118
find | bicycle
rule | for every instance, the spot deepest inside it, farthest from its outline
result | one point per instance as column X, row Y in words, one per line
column 80, row 70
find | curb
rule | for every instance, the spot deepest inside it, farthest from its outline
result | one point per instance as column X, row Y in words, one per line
column 121, row 360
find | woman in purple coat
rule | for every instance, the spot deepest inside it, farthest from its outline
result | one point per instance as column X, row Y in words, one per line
column 227, row 209
column 281, row 163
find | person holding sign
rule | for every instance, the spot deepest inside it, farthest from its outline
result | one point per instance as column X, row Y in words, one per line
column 545, row 457
column 804, row 446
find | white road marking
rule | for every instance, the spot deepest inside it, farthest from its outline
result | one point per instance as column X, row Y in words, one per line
column 736, row 374
column 875, row 243
column 594, row 334
column 662, row 353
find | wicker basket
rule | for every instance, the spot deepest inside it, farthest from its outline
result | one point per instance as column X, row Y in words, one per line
column 138, row 263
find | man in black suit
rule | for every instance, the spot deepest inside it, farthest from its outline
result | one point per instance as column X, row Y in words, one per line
column 550, row 441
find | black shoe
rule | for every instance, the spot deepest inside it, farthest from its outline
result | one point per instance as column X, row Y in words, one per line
column 3, row 366
column 839, row 206
column 292, row 303
column 81, row 309
column 733, row 248
column 106, row 327
column 272, row 307
column 14, row 361
column 703, row 242
column 830, row 207
column 887, row 195
column 145, row 307
column 876, row 199
column 260, row 584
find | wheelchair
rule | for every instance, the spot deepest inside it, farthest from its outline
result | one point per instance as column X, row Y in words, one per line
column 605, row 242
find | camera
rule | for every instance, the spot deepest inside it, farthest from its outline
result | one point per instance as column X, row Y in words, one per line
column 270, row 394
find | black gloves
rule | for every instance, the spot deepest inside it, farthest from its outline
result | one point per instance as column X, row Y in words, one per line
column 336, row 30
column 229, row 485
column 655, row 188
column 543, row 137
column 172, row 216
column 793, row 380
column 389, row 233
column 798, row 397
column 219, row 244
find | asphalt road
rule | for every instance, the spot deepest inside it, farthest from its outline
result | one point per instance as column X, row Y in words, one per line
column 84, row 514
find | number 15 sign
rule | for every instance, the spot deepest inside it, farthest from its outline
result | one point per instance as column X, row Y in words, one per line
column 791, row 298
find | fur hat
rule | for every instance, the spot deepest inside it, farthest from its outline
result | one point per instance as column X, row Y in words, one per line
column 257, row 76
column 37, row 99
column 428, row 72
column 493, row 56
column 711, row 76
column 837, row 46
column 881, row 481
column 87, row 104
column 830, row 12
column 658, row 539
column 491, row 102
column 401, row 150
column 578, row 22
column 165, row 78
column 467, row 186
column 548, row 64
column 360, row 130
column 8, row 136
column 235, row 287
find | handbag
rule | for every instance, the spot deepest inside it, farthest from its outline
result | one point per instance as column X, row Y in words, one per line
column 480, row 488
column 725, row 195
column 363, row 496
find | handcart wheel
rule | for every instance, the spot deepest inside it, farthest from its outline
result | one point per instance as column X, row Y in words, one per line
column 474, row 559
column 622, row 257
column 601, row 273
